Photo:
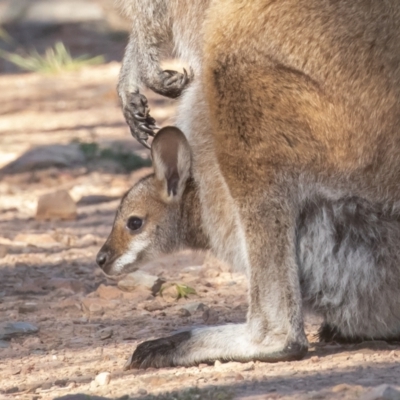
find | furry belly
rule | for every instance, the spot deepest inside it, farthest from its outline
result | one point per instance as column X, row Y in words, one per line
column 349, row 257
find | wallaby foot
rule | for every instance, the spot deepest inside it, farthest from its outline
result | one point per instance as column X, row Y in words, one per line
column 206, row 345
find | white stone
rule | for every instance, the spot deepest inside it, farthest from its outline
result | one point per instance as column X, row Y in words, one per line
column 103, row 378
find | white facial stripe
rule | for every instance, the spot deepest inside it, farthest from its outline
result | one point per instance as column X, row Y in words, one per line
column 137, row 244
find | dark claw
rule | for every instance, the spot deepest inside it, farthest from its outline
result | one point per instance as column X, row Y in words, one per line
column 144, row 143
column 145, row 128
column 141, row 137
column 139, row 117
column 185, row 76
column 169, row 72
column 150, row 121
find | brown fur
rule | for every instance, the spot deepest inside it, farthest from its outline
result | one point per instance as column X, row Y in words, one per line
column 292, row 101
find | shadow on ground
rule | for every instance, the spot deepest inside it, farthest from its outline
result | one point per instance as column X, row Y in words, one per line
column 314, row 385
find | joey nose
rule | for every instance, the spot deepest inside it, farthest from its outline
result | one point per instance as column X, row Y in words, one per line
column 101, row 259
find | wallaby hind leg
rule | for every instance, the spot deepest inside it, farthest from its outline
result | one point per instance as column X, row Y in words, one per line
column 274, row 329
column 275, row 317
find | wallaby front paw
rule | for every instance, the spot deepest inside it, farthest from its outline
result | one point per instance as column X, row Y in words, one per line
column 157, row 353
column 171, row 83
column 137, row 115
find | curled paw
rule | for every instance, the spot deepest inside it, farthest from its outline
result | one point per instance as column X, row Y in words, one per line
column 137, row 115
column 171, row 83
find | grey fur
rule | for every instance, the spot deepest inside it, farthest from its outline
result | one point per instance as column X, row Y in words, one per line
column 349, row 258
column 293, row 103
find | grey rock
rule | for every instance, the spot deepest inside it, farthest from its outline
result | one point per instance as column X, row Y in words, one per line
column 55, row 155
column 46, row 385
column 382, row 392
column 56, row 205
column 61, row 382
column 184, row 313
column 154, row 306
column 27, row 308
column 105, row 333
column 194, row 307
column 11, row 390
column 210, row 316
column 10, row 330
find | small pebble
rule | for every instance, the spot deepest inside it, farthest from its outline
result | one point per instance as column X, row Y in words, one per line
column 27, row 308
column 15, row 371
column 105, row 333
column 46, row 385
column 103, row 378
column 239, row 377
column 183, row 312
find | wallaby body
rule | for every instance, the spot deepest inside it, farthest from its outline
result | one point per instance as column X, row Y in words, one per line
column 346, row 250
column 293, row 115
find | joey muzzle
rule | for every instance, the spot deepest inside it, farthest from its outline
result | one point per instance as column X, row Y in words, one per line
column 105, row 259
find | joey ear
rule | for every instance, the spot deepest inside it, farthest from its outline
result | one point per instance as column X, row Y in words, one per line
column 171, row 155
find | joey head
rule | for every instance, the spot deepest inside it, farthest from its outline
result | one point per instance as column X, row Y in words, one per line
column 153, row 216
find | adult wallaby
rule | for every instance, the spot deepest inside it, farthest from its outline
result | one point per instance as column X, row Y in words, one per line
column 293, row 119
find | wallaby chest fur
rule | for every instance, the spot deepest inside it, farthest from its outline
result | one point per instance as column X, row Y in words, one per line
column 292, row 125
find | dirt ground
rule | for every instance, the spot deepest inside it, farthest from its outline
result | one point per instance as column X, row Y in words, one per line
column 86, row 324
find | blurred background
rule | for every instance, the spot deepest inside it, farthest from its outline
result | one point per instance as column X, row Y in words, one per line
column 59, row 64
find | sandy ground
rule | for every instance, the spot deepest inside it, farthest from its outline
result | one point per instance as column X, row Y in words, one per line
column 87, row 325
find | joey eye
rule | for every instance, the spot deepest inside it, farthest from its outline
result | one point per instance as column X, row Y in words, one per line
column 134, row 223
